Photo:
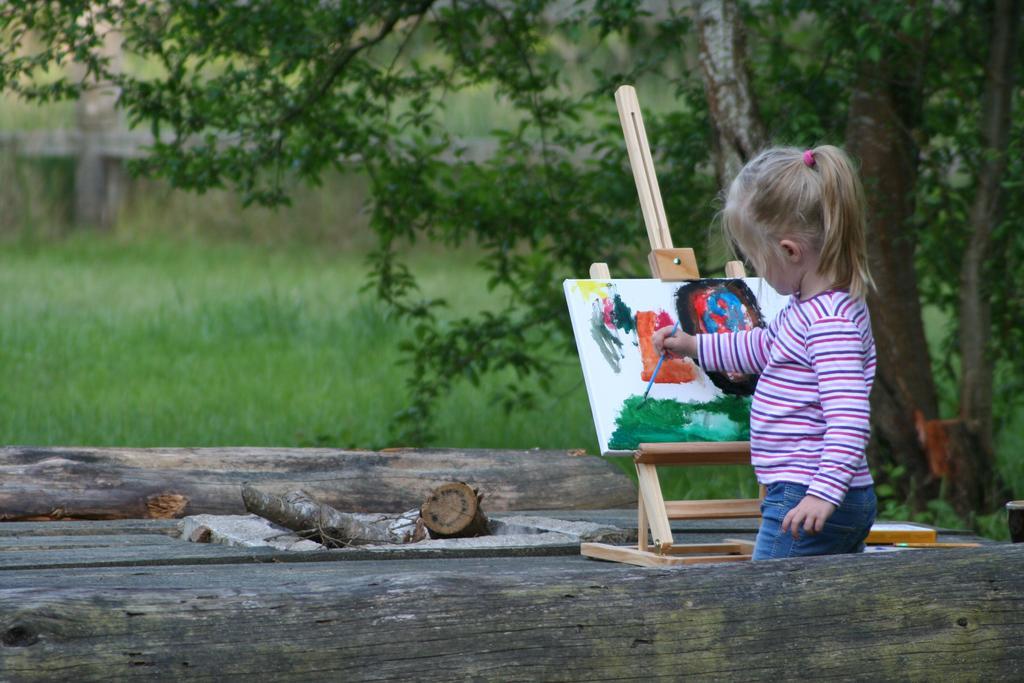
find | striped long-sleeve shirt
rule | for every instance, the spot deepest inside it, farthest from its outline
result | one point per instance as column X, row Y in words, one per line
column 809, row 416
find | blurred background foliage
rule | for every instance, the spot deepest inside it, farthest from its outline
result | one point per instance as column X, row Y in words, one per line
column 354, row 226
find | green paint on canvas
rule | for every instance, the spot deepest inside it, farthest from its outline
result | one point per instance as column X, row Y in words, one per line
column 667, row 420
column 622, row 315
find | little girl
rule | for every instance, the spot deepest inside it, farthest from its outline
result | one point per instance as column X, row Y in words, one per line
column 798, row 217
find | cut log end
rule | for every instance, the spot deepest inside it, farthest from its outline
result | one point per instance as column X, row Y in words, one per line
column 166, row 505
column 453, row 511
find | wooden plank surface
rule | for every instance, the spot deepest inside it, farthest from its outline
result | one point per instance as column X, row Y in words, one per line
column 105, row 483
column 152, row 543
column 90, row 527
column 200, row 555
column 624, row 518
column 143, row 543
column 627, row 519
column 908, row 616
column 182, row 553
column 18, row 544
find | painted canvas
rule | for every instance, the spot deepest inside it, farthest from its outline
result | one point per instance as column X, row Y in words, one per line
column 614, row 321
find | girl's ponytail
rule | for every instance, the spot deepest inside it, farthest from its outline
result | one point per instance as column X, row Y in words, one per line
column 812, row 195
column 843, row 243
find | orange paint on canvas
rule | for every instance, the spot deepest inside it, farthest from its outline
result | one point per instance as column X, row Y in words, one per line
column 673, row 370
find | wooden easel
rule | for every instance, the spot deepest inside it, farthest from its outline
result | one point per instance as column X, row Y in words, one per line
column 653, row 512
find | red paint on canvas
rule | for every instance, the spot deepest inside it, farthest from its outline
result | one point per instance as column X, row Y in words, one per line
column 608, row 308
column 673, row 370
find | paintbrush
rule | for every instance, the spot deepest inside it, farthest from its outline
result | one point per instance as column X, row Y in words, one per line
column 657, row 367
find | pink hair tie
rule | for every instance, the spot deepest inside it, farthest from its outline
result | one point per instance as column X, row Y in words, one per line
column 809, row 158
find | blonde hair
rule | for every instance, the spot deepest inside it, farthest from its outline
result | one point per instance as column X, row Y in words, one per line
column 778, row 195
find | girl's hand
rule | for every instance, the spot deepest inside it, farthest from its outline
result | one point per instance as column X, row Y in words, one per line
column 811, row 512
column 678, row 344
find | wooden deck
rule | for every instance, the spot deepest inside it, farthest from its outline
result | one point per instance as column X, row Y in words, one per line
column 113, row 600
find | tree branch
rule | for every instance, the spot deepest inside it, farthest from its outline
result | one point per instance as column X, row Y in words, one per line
column 342, row 60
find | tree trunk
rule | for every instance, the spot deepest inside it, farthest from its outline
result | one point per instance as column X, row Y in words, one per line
column 878, row 135
column 118, row 483
column 739, row 131
column 974, row 482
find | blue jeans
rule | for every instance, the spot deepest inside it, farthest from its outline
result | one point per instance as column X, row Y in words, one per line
column 844, row 531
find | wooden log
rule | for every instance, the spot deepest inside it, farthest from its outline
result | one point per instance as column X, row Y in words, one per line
column 453, row 510
column 333, row 528
column 916, row 615
column 120, row 483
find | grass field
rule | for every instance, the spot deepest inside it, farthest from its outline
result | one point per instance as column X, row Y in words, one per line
column 159, row 343
column 182, row 343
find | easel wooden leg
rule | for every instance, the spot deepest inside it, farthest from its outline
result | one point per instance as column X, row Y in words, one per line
column 657, row 517
column 641, row 525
